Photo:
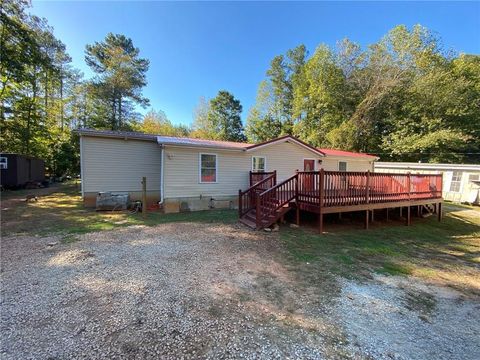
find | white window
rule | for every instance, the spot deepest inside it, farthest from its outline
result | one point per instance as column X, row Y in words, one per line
column 473, row 177
column 456, row 180
column 3, row 163
column 208, row 168
column 342, row 166
column 259, row 164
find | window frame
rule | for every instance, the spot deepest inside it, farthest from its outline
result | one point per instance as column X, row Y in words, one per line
column 4, row 162
column 200, row 168
column 471, row 177
column 456, row 182
column 264, row 164
column 346, row 165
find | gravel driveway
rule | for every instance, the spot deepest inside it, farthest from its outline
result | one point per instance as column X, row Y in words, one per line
column 210, row 291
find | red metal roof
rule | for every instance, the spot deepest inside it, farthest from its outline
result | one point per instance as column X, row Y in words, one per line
column 334, row 152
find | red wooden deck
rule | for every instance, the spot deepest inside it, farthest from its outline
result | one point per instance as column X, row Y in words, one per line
column 326, row 192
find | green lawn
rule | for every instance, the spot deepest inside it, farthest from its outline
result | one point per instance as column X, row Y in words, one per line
column 62, row 212
column 447, row 251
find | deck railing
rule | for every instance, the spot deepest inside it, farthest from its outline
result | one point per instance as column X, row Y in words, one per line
column 247, row 200
column 271, row 200
column 339, row 188
column 256, row 176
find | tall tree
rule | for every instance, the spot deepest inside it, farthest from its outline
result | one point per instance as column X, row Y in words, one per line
column 121, row 75
column 274, row 104
column 223, row 120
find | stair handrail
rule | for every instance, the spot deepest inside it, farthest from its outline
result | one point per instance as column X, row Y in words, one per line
column 264, row 208
column 242, row 209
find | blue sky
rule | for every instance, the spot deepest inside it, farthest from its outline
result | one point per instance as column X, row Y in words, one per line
column 197, row 48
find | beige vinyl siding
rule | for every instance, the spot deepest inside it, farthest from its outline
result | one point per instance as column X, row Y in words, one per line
column 119, row 165
column 181, row 170
column 330, row 163
column 285, row 158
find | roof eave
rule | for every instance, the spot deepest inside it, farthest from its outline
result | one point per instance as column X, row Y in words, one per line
column 284, row 139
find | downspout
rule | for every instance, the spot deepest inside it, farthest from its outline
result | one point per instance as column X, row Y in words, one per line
column 82, row 171
column 162, row 161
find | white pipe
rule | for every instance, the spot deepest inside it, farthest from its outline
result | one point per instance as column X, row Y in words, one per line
column 162, row 185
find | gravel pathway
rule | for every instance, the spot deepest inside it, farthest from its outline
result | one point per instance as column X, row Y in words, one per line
column 172, row 291
column 211, row 291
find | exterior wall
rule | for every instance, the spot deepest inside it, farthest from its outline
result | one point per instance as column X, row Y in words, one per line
column 181, row 171
column 469, row 191
column 118, row 165
column 330, row 163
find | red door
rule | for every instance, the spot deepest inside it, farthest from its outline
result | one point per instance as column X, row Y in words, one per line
column 309, row 165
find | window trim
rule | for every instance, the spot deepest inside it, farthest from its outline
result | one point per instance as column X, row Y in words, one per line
column 200, row 168
column 459, row 181
column 346, row 165
column 5, row 162
column 264, row 161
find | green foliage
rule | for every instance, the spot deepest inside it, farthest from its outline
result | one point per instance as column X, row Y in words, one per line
column 36, row 81
column 402, row 97
column 156, row 122
column 121, row 75
column 220, row 119
column 272, row 115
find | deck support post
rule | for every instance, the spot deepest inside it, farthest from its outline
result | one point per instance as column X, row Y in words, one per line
column 366, row 219
column 367, row 188
column 439, row 211
column 297, row 217
column 239, row 203
column 257, row 212
column 409, row 218
column 321, row 186
column 373, row 215
column 320, row 222
column 339, row 216
column 387, row 215
column 401, row 215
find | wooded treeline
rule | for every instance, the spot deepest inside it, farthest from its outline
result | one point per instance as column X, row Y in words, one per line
column 403, row 97
column 43, row 98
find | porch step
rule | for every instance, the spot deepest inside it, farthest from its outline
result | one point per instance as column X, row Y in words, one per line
column 250, row 218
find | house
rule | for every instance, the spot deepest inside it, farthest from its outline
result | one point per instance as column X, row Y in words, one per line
column 18, row 170
column 193, row 174
column 461, row 182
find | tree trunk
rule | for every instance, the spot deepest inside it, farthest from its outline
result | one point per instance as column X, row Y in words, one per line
column 114, row 108
column 120, row 111
column 61, row 102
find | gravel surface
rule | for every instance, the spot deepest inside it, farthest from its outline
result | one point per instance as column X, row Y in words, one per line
column 403, row 318
column 211, row 291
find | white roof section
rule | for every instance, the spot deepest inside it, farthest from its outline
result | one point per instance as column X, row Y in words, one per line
column 426, row 166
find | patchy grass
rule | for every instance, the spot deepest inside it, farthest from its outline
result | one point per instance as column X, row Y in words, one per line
column 447, row 252
column 62, row 212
